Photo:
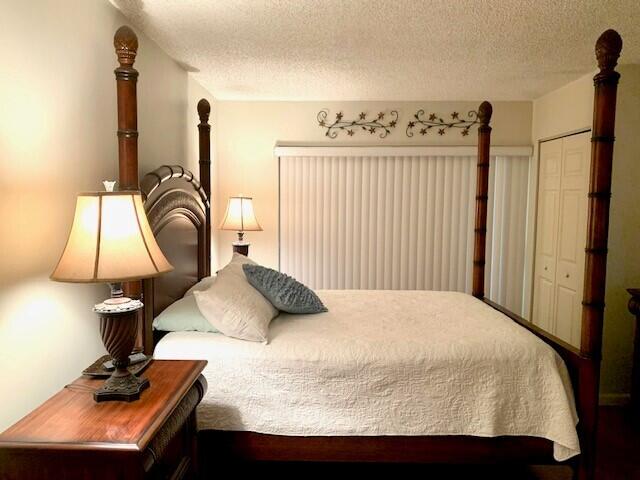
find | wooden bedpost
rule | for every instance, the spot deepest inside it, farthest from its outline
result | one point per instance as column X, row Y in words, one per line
column 482, row 195
column 608, row 49
column 204, row 134
column 125, row 43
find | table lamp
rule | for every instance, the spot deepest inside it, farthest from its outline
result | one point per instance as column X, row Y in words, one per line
column 111, row 241
column 240, row 217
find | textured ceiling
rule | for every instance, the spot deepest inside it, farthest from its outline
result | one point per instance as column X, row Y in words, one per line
column 384, row 49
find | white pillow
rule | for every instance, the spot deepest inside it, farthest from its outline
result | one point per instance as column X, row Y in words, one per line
column 203, row 284
column 233, row 306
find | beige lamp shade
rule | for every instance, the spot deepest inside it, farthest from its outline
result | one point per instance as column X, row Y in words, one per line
column 240, row 216
column 110, row 241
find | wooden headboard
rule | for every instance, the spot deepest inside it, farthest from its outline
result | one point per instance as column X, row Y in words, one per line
column 178, row 209
column 179, row 212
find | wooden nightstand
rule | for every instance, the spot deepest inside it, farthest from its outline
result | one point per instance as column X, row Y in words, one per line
column 72, row 437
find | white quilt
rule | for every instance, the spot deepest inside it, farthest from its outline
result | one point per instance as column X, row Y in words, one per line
column 386, row 363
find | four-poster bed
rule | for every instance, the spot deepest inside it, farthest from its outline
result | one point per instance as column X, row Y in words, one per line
column 179, row 212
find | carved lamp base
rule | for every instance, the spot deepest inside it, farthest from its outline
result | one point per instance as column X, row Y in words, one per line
column 126, row 388
column 118, row 321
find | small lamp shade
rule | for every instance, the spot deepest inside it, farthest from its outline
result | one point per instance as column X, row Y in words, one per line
column 240, row 216
column 110, row 241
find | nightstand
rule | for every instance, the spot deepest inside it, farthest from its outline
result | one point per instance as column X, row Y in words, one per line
column 72, row 437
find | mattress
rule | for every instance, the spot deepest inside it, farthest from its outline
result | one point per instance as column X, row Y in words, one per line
column 386, row 363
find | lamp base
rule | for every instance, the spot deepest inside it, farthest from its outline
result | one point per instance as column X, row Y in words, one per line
column 241, row 248
column 126, row 388
column 118, row 323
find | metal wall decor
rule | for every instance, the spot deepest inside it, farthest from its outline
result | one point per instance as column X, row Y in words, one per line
column 434, row 121
column 372, row 125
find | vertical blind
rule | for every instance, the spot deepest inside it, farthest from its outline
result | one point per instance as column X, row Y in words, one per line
column 400, row 218
column 506, row 230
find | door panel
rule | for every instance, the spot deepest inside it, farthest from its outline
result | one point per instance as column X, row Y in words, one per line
column 570, row 213
column 547, row 235
column 572, row 236
column 543, row 307
column 549, row 223
column 567, row 313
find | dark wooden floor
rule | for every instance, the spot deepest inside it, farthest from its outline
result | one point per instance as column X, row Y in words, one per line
column 618, row 459
column 618, row 446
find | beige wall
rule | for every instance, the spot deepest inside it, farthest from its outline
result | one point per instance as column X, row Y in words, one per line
column 57, row 137
column 623, row 264
column 248, row 131
column 564, row 110
column 568, row 109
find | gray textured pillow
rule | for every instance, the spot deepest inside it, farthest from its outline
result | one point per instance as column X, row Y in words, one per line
column 284, row 292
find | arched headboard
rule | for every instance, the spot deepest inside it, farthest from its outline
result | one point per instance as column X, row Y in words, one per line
column 179, row 212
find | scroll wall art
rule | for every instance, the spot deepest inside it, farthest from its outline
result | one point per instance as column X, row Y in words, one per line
column 435, row 122
column 384, row 123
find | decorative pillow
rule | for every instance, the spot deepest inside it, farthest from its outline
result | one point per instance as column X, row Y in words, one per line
column 206, row 282
column 235, row 265
column 203, row 284
column 183, row 315
column 284, row 292
column 234, row 307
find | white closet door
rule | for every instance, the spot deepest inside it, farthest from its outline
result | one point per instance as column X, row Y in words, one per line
column 572, row 236
column 561, row 235
column 547, row 234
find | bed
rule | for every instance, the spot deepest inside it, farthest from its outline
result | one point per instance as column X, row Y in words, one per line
column 386, row 363
column 431, row 377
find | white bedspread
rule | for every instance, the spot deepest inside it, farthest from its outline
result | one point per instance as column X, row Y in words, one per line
column 386, row 363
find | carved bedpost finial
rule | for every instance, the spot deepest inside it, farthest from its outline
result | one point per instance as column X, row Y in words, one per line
column 608, row 48
column 125, row 42
column 204, row 109
column 484, row 113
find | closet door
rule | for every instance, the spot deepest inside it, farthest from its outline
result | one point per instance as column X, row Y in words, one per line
column 547, row 234
column 561, row 228
column 572, row 236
